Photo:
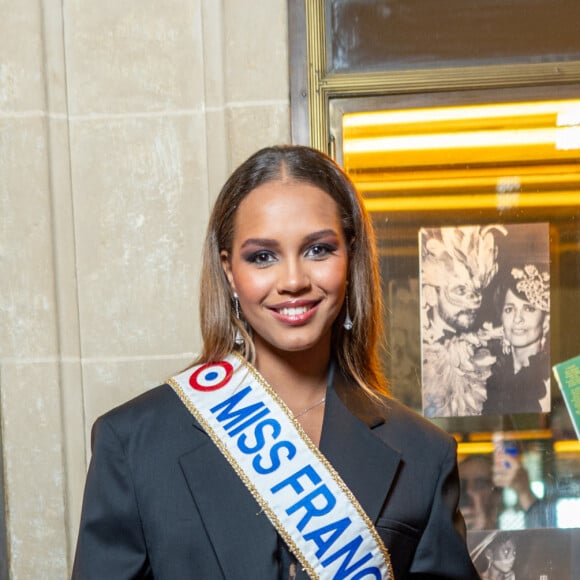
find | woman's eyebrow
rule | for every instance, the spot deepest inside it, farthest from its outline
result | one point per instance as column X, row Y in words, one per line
column 272, row 243
column 264, row 242
column 320, row 234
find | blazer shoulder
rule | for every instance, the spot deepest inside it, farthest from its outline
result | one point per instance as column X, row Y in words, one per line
column 156, row 398
column 155, row 410
column 410, row 430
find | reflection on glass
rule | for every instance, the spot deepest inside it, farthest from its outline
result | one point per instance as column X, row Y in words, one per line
column 512, row 164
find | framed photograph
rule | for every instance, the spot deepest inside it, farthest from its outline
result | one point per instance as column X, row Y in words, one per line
column 485, row 319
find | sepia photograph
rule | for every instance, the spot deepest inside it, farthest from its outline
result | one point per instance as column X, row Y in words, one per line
column 485, row 319
column 522, row 554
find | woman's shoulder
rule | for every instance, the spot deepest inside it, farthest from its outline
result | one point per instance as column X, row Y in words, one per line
column 149, row 401
column 157, row 410
column 391, row 419
column 410, row 427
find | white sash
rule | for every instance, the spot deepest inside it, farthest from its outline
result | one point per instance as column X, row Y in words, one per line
column 299, row 490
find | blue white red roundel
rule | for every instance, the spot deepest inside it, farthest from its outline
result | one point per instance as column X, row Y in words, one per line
column 211, row 376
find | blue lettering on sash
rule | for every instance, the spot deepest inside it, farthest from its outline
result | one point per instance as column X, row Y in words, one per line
column 293, row 480
column 274, row 457
column 259, row 436
column 349, row 551
column 238, row 415
column 241, row 419
column 248, row 422
column 331, row 532
column 308, row 504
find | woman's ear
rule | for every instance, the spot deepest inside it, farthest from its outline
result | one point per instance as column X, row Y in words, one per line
column 227, row 267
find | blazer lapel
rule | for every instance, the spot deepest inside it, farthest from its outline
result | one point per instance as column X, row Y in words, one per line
column 364, row 461
column 236, row 527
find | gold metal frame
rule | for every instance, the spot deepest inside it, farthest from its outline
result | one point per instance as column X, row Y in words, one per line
column 322, row 86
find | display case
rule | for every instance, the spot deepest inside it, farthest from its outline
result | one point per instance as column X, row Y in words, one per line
column 462, row 132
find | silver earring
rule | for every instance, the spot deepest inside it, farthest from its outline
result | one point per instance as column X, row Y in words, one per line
column 239, row 339
column 347, row 319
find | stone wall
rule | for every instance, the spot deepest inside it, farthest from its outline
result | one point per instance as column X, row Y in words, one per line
column 119, row 122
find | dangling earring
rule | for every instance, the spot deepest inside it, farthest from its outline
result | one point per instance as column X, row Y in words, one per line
column 347, row 319
column 239, row 339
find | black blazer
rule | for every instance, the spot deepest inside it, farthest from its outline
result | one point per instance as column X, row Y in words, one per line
column 162, row 502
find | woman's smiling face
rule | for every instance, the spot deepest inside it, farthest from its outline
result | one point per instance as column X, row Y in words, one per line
column 288, row 264
column 522, row 322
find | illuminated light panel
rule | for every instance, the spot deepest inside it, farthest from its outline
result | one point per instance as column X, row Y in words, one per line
column 435, row 182
column 475, row 448
column 470, row 201
column 529, row 434
column 567, row 109
column 571, row 446
column 491, row 156
column 565, row 138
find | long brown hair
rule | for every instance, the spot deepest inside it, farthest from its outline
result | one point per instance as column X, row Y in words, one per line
column 357, row 350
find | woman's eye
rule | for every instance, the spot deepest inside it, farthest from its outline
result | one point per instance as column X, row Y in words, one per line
column 261, row 258
column 319, row 251
column 529, row 308
column 507, row 310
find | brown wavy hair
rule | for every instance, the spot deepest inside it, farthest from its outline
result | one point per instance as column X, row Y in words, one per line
column 357, row 350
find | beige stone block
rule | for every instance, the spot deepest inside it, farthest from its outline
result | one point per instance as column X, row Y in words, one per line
column 251, row 128
column 256, row 50
column 73, row 446
column 54, row 65
column 141, row 208
column 63, row 238
column 109, row 383
column 27, row 300
column 33, row 463
column 217, row 151
column 213, row 50
column 21, row 63
column 133, row 56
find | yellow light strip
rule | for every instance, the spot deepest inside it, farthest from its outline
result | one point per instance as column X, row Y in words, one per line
column 474, row 448
column 567, row 446
column 565, row 138
column 528, row 434
column 466, row 112
column 425, row 181
column 480, row 201
column 484, row 447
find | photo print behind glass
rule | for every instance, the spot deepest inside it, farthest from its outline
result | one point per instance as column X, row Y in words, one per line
column 485, row 319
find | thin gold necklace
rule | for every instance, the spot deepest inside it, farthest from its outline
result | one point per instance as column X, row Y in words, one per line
column 310, row 408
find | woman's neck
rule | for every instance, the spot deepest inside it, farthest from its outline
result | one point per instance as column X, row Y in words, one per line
column 299, row 378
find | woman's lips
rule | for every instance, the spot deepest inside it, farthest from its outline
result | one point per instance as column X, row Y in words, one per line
column 294, row 314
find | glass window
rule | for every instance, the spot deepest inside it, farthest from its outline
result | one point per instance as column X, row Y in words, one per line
column 375, row 35
column 503, row 167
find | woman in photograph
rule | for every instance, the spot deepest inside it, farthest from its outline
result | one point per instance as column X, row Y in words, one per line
column 496, row 555
column 278, row 455
column 520, row 379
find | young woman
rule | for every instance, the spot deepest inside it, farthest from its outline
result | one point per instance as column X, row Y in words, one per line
column 278, row 454
column 498, row 551
column 520, row 379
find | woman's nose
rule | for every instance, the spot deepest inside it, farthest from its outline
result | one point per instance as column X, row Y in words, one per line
column 293, row 276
